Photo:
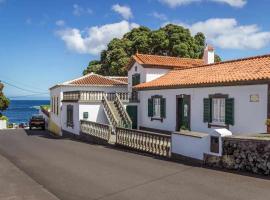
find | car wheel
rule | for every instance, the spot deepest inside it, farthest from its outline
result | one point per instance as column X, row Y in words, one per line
column 30, row 128
column 43, row 128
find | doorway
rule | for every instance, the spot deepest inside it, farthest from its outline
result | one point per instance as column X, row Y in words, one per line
column 182, row 112
column 133, row 114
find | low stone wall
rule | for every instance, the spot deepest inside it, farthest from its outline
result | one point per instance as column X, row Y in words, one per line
column 245, row 154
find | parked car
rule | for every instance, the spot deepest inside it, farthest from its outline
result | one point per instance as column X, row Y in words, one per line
column 37, row 121
column 23, row 125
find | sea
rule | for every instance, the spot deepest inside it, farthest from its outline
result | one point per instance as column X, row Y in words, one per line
column 20, row 111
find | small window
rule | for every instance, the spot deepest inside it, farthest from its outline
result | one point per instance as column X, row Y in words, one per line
column 218, row 110
column 136, row 79
column 85, row 115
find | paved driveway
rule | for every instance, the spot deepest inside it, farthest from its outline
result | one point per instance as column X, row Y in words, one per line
column 72, row 170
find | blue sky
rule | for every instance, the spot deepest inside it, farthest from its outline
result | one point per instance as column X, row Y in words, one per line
column 47, row 42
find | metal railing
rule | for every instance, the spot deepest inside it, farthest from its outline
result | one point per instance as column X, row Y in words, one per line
column 101, row 131
column 154, row 143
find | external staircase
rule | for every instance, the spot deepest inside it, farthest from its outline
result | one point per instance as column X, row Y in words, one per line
column 115, row 111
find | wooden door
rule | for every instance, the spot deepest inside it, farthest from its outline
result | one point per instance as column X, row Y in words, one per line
column 133, row 114
column 183, row 112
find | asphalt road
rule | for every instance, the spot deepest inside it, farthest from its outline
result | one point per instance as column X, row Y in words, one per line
column 73, row 170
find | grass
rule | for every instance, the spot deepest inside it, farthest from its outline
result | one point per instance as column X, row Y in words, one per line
column 45, row 107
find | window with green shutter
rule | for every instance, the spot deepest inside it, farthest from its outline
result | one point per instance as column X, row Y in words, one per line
column 150, row 107
column 229, row 111
column 207, row 111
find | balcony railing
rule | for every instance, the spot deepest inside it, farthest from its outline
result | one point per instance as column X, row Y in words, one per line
column 101, row 131
column 97, row 96
column 154, row 143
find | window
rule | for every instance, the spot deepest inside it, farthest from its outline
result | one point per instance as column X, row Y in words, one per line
column 214, row 144
column 85, row 115
column 69, row 116
column 156, row 108
column 218, row 110
column 57, row 105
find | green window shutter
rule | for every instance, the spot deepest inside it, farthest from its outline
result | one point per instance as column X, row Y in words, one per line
column 150, row 107
column 136, row 79
column 163, row 107
column 207, row 111
column 229, row 111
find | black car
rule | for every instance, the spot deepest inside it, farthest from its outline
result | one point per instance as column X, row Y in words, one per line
column 37, row 121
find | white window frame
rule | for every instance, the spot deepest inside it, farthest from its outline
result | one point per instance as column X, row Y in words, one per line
column 157, row 107
column 218, row 110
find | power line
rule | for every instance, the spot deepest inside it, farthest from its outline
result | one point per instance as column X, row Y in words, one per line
column 20, row 88
column 20, row 83
column 14, row 97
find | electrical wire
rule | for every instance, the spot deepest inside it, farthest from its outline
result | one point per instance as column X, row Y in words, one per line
column 20, row 88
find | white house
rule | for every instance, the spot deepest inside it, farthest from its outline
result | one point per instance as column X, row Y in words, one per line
column 200, row 95
column 80, row 99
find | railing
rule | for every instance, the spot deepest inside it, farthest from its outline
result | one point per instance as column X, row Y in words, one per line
column 126, row 122
column 101, row 131
column 108, row 111
column 98, row 95
column 71, row 96
column 91, row 95
column 154, row 143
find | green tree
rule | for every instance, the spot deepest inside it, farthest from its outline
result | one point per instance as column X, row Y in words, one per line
column 4, row 102
column 171, row 40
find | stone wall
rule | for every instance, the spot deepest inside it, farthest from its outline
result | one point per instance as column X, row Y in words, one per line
column 245, row 154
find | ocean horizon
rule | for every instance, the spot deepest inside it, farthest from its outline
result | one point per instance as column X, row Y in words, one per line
column 20, row 111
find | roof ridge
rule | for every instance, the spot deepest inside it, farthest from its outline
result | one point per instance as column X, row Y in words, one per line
column 224, row 62
column 168, row 56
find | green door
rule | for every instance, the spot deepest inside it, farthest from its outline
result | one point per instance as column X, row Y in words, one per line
column 133, row 114
column 183, row 113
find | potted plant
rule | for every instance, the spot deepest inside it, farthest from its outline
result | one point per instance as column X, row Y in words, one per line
column 267, row 123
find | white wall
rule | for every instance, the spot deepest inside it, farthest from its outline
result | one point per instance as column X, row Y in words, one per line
column 249, row 116
column 189, row 146
column 3, row 124
column 146, row 74
column 95, row 113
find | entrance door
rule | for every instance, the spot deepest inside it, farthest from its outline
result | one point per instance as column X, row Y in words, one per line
column 133, row 113
column 183, row 112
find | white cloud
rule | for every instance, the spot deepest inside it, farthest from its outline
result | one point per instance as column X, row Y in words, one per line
column 94, row 39
column 160, row 16
column 124, row 11
column 79, row 10
column 226, row 33
column 60, row 22
column 175, row 3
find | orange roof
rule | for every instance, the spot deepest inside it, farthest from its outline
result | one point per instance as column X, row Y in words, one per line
column 95, row 79
column 241, row 71
column 119, row 78
column 164, row 61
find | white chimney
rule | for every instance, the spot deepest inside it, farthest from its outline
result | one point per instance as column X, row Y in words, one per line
column 209, row 54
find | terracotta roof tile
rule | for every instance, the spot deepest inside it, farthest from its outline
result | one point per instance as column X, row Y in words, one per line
column 95, row 79
column 164, row 61
column 230, row 72
column 119, row 78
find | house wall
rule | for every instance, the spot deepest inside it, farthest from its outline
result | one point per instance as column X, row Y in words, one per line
column 3, row 124
column 95, row 113
column 76, row 120
column 60, row 119
column 146, row 74
column 249, row 116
